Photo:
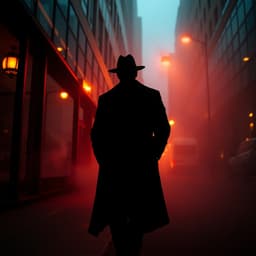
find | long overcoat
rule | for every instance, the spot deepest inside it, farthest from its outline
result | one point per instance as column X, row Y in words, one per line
column 129, row 134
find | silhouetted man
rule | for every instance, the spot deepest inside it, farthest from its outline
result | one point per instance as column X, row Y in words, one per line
column 128, row 136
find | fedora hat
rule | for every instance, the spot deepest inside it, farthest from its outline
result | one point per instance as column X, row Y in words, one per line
column 126, row 63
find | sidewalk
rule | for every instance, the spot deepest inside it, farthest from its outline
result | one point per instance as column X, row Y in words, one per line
column 53, row 223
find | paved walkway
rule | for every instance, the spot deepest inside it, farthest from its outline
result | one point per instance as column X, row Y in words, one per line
column 208, row 216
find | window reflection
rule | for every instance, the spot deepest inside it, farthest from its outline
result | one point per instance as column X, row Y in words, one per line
column 45, row 15
column 60, row 31
column 57, row 144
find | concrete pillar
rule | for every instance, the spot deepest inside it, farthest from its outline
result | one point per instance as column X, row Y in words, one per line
column 36, row 121
column 17, row 121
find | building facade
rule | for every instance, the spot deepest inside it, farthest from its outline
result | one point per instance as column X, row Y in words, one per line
column 64, row 49
column 227, row 30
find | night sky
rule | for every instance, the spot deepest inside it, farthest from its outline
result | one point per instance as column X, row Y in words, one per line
column 158, row 27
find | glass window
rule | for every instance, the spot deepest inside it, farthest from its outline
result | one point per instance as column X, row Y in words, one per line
column 234, row 25
column 30, row 4
column 60, row 31
column 252, row 41
column 82, row 39
column 210, row 28
column 84, row 5
column 216, row 15
column 73, row 20
column 240, row 13
column 100, row 31
column 89, row 54
column 91, row 13
column 250, row 21
column 235, row 42
column 45, row 14
column 236, row 61
column 57, row 144
column 95, row 68
column 248, row 5
column 63, row 5
column 242, row 33
column 81, row 62
column 228, row 34
column 71, row 53
column 88, row 72
column 229, row 52
column 243, row 50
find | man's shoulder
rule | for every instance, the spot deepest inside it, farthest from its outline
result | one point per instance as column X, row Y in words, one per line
column 141, row 89
column 148, row 89
column 108, row 93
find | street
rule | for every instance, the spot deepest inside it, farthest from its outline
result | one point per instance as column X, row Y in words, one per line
column 209, row 213
column 54, row 226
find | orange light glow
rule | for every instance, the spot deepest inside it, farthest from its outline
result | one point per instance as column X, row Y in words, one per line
column 171, row 122
column 186, row 39
column 172, row 164
column 250, row 114
column 59, row 49
column 87, row 88
column 10, row 64
column 63, row 95
column 166, row 60
column 246, row 59
column 251, row 125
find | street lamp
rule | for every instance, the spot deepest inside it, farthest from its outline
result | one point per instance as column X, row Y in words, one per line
column 187, row 39
column 166, row 60
column 10, row 64
column 172, row 122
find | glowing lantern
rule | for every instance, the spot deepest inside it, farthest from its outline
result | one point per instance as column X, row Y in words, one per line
column 87, row 88
column 186, row 39
column 246, row 59
column 59, row 49
column 251, row 125
column 171, row 122
column 166, row 60
column 10, row 64
column 63, row 95
column 250, row 114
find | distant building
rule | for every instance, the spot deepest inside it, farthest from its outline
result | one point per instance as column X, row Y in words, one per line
column 228, row 29
column 47, row 106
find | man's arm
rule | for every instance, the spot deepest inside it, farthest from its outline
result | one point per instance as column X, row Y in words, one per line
column 162, row 127
column 97, row 132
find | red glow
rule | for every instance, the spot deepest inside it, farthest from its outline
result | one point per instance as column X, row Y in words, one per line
column 246, row 59
column 186, row 39
column 171, row 122
column 63, row 95
column 87, row 88
column 166, row 60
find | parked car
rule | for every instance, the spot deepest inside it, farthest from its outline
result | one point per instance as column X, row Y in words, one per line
column 244, row 161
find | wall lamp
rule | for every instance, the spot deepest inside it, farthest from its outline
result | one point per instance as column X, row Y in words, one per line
column 10, row 64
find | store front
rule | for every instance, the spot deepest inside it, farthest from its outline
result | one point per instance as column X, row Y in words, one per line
column 44, row 120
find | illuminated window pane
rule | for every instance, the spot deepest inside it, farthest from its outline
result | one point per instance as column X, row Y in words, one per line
column 63, row 4
column 60, row 30
column 82, row 39
column 71, row 53
column 84, row 5
column 73, row 21
column 45, row 15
